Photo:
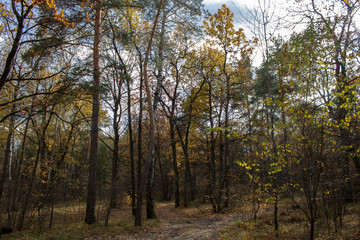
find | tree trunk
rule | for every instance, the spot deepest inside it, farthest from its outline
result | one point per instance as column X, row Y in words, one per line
column 175, row 167
column 157, row 94
column 138, row 217
column 139, row 149
column 164, row 181
column 226, row 143
column 150, row 204
column 212, row 155
column 131, row 150
column 93, row 155
column 276, row 221
column 5, row 170
column 312, row 229
column 188, row 181
column 115, row 158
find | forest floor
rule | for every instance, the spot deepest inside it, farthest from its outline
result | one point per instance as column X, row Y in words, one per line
column 182, row 223
column 196, row 222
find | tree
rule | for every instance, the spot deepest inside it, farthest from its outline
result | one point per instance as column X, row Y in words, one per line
column 20, row 20
column 179, row 69
column 93, row 154
column 222, row 32
column 152, row 124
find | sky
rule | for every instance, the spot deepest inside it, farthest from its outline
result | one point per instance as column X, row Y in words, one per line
column 235, row 6
column 213, row 5
column 248, row 3
column 279, row 6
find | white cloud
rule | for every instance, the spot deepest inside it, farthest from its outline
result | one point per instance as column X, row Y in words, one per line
column 248, row 3
column 213, row 1
column 357, row 21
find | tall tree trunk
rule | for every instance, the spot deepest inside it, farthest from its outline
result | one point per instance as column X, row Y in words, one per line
column 115, row 157
column 225, row 186
column 163, row 175
column 172, row 122
column 212, row 166
column 150, row 204
column 5, row 170
column 276, row 221
column 131, row 150
column 175, row 164
column 188, row 181
column 138, row 214
column 157, row 94
column 220, row 182
column 93, row 156
column 274, row 178
column 173, row 142
column 139, row 148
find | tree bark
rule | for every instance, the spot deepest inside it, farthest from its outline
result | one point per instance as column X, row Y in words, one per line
column 212, row 154
column 157, row 94
column 139, row 148
column 225, row 184
column 188, row 183
column 5, row 170
column 115, row 157
column 131, row 150
column 175, row 167
column 93, row 155
column 138, row 217
column 163, row 175
column 150, row 204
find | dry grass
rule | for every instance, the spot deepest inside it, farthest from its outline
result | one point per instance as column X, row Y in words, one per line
column 234, row 224
column 69, row 224
column 292, row 225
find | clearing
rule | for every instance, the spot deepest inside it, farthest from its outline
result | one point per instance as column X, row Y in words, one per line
column 184, row 223
column 196, row 222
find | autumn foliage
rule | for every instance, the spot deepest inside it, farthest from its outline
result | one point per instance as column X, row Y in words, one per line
column 106, row 102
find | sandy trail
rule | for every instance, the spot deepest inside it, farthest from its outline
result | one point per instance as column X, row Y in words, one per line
column 178, row 224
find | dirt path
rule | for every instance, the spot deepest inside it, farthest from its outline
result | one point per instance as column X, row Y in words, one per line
column 202, row 228
column 183, row 224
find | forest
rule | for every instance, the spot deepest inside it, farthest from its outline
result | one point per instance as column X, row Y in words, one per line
column 151, row 119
